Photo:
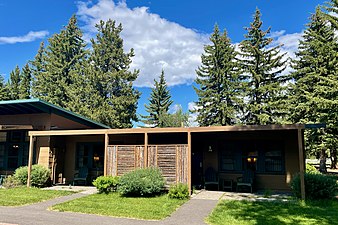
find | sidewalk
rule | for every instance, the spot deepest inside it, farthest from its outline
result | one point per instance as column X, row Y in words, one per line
column 192, row 212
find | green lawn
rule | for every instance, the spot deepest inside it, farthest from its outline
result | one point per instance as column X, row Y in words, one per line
column 113, row 204
column 275, row 213
column 23, row 195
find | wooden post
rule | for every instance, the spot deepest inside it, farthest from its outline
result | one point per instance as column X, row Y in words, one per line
column 30, row 160
column 301, row 163
column 106, row 143
column 189, row 161
column 145, row 150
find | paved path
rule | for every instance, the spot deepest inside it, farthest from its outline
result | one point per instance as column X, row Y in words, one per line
column 192, row 212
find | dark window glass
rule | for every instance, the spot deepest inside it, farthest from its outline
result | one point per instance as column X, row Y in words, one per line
column 2, row 156
column 273, row 161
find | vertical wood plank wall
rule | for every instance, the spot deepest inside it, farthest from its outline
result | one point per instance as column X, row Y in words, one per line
column 171, row 159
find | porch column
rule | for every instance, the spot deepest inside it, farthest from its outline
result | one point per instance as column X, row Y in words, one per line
column 30, row 159
column 301, row 163
column 189, row 161
column 106, row 143
column 145, row 150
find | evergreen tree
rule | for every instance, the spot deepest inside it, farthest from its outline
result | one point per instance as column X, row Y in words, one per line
column 315, row 92
column 52, row 66
column 217, row 78
column 159, row 103
column 25, row 83
column 14, row 83
column 262, row 66
column 4, row 92
column 111, row 77
column 177, row 119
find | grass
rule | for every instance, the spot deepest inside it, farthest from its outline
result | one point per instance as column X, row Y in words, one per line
column 113, row 204
column 24, row 196
column 275, row 213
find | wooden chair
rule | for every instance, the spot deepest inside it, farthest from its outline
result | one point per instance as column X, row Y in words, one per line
column 211, row 178
column 81, row 176
column 246, row 180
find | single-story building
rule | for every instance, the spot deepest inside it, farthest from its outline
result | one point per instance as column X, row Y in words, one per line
column 66, row 142
column 18, row 117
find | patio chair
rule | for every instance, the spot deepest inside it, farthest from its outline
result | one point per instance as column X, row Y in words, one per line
column 81, row 176
column 246, row 180
column 211, row 178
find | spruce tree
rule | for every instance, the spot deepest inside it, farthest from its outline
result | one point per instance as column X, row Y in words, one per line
column 25, row 83
column 14, row 83
column 52, row 66
column 111, row 77
column 315, row 91
column 159, row 103
column 262, row 78
column 4, row 92
column 218, row 84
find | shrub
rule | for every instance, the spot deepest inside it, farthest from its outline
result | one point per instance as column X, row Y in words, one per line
column 179, row 191
column 311, row 169
column 141, row 182
column 106, row 184
column 317, row 186
column 11, row 182
column 39, row 175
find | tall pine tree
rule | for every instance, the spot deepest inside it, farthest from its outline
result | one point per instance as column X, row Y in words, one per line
column 111, row 77
column 159, row 103
column 217, row 80
column 14, row 83
column 262, row 66
column 25, row 83
column 315, row 91
column 4, row 92
column 52, row 66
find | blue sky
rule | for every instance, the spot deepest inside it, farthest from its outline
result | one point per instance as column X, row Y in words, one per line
column 168, row 34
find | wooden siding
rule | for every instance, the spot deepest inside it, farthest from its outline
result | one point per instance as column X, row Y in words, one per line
column 171, row 159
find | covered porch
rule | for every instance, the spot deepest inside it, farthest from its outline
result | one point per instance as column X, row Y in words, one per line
column 274, row 152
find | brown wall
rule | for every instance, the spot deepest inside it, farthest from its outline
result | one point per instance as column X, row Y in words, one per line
column 38, row 121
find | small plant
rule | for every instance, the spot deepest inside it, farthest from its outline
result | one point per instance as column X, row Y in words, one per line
column 11, row 182
column 311, row 169
column 317, row 186
column 179, row 191
column 106, row 184
column 39, row 175
column 141, row 182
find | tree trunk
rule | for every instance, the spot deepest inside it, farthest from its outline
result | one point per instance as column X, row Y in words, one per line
column 322, row 162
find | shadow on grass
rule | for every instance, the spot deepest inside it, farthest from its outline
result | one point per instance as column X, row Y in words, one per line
column 262, row 213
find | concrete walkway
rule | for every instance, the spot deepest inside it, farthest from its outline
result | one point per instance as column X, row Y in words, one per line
column 192, row 212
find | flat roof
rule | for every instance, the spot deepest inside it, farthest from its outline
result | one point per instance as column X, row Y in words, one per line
column 35, row 106
column 169, row 130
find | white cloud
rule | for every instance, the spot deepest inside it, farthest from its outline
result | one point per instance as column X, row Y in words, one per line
column 29, row 37
column 158, row 43
column 289, row 42
column 193, row 116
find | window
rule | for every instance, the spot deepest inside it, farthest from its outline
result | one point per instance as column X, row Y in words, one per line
column 230, row 157
column 273, row 161
column 13, row 156
column 90, row 155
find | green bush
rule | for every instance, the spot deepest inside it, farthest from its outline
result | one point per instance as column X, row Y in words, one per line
column 11, row 182
column 106, row 184
column 39, row 175
column 317, row 186
column 179, row 191
column 311, row 169
column 141, row 182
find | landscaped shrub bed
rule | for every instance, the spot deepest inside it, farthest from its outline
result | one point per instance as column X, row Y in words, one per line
column 317, row 186
column 179, row 191
column 141, row 182
column 106, row 184
column 39, row 175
